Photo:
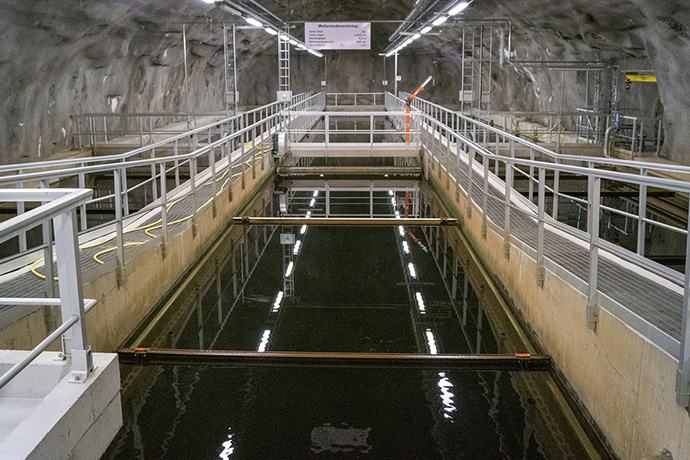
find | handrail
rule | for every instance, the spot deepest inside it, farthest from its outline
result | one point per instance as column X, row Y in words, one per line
column 419, row 102
column 56, row 174
column 62, row 200
column 454, row 150
column 146, row 148
column 59, row 206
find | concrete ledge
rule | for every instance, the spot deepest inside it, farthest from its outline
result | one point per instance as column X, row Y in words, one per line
column 59, row 419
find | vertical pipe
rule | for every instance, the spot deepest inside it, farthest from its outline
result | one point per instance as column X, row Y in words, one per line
column 396, row 74
column 186, row 88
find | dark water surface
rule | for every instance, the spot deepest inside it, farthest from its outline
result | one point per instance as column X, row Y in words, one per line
column 352, row 293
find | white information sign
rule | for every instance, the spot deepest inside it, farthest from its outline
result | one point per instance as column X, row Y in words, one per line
column 338, row 35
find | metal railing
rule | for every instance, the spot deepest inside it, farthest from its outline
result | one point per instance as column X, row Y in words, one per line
column 501, row 143
column 457, row 143
column 638, row 134
column 98, row 129
column 59, row 206
column 348, row 99
column 240, row 147
column 351, row 126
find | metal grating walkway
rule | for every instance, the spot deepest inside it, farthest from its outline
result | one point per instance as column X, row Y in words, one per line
column 29, row 284
column 656, row 304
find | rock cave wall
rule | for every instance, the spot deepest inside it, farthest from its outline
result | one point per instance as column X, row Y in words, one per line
column 64, row 57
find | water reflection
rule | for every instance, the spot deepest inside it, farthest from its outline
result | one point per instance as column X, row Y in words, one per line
column 354, row 290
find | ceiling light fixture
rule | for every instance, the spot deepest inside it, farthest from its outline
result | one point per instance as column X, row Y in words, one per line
column 425, row 30
column 271, row 31
column 458, row 8
column 440, row 20
column 253, row 22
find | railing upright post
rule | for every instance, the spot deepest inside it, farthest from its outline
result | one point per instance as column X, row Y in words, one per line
column 541, row 203
column 119, row 233
column 74, row 341
column 470, row 166
column 485, row 198
column 125, row 191
column 164, row 211
column 556, row 193
column 192, row 187
column 508, row 192
column 214, row 185
column 641, row 216
column 593, row 218
column 92, row 128
column 327, row 137
column 20, row 210
column 82, row 208
column 530, row 192
column 48, row 250
column 683, row 373
column 154, row 184
column 176, row 164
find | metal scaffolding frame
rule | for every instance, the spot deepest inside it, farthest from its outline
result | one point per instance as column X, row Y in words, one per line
column 230, row 73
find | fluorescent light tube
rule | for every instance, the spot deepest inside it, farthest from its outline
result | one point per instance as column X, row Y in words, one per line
column 458, row 8
column 440, row 20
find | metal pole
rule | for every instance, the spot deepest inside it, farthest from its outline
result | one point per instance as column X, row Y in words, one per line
column 164, row 211
column 71, row 294
column 508, row 189
column 683, row 373
column 593, row 217
column 641, row 215
column 119, row 234
column 186, row 88
column 396, row 75
column 540, row 226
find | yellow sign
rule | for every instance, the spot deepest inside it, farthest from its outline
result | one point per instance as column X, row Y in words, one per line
column 642, row 78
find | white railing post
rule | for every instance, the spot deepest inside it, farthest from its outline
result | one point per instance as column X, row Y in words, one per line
column 20, row 210
column 541, row 203
column 593, row 218
column 48, row 250
column 641, row 215
column 71, row 294
column 508, row 193
column 164, row 211
column 683, row 373
column 119, row 234
column 485, row 198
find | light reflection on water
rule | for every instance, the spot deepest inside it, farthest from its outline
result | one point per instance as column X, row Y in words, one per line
column 356, row 290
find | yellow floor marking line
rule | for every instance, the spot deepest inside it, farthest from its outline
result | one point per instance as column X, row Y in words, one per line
column 95, row 256
column 155, row 225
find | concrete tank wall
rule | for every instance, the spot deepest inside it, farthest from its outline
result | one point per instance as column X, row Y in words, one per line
column 625, row 382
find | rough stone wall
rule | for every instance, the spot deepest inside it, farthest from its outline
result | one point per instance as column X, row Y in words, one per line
column 65, row 57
